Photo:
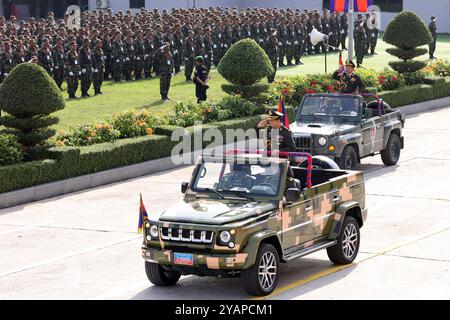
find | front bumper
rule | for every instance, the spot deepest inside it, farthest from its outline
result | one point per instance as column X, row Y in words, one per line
column 200, row 260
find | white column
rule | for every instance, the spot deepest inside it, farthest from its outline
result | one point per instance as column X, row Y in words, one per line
column 351, row 27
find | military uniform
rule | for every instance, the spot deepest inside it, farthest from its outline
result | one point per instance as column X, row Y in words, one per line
column 107, row 50
column 98, row 64
column 217, row 45
column 118, row 54
column 178, row 50
column 6, row 64
column 272, row 52
column 59, row 59
column 148, row 57
column 128, row 64
column 360, row 45
column 281, row 141
column 73, row 71
column 167, row 69
column 433, row 29
column 139, row 58
column 350, row 83
column 45, row 60
column 201, row 72
column 188, row 58
column 86, row 70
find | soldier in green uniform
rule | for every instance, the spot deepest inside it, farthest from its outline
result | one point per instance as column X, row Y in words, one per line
column 360, row 44
column 433, row 29
column 128, row 64
column 373, row 22
column 98, row 64
column 200, row 79
column 272, row 52
column 45, row 59
column 139, row 45
column 350, row 82
column 290, row 42
column 107, row 50
column 167, row 68
column 7, row 60
column 73, row 70
column 149, row 55
column 178, row 47
column 217, row 43
column 59, row 59
column 282, row 39
column 208, row 49
column 188, row 54
column 86, row 68
column 118, row 54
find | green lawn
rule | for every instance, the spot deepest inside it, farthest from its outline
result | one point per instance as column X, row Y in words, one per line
column 145, row 94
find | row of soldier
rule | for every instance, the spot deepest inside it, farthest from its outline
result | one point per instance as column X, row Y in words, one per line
column 124, row 45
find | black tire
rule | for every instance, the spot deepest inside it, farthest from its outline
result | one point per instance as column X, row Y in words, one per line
column 391, row 154
column 338, row 253
column 348, row 159
column 250, row 277
column 320, row 162
column 160, row 277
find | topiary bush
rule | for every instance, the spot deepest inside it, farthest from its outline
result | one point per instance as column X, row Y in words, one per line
column 247, row 92
column 244, row 65
column 9, row 150
column 407, row 32
column 29, row 95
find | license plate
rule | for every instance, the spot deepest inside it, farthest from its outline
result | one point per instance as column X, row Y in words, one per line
column 183, row 258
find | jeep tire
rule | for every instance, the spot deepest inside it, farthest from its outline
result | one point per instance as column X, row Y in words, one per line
column 346, row 248
column 348, row 159
column 160, row 277
column 262, row 278
column 391, row 154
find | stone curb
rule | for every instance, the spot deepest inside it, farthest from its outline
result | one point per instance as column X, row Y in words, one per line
column 53, row 189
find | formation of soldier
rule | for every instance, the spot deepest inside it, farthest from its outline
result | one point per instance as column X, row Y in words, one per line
column 126, row 46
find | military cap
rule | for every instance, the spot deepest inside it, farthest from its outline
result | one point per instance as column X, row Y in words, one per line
column 350, row 63
column 433, row 18
column 274, row 115
column 199, row 59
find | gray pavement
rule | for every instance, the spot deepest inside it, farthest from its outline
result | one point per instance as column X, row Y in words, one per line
column 84, row 245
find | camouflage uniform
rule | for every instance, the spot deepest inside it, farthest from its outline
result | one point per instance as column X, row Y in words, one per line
column 139, row 58
column 148, row 57
column 360, row 45
column 166, row 74
column 73, row 71
column 290, row 44
column 208, row 52
column 178, row 50
column 188, row 58
column 98, row 64
column 299, row 42
column 59, row 58
column 86, row 70
column 107, row 50
column 128, row 64
column 272, row 52
column 217, row 45
column 282, row 39
column 118, row 54
column 46, row 61
column 6, row 64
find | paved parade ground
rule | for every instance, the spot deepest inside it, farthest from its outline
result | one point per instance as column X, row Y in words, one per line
column 84, row 245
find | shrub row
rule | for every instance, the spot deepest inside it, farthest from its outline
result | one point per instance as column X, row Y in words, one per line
column 72, row 162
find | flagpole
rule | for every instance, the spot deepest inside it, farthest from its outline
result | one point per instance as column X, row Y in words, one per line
column 351, row 27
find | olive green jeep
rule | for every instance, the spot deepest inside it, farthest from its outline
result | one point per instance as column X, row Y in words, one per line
column 243, row 215
column 346, row 129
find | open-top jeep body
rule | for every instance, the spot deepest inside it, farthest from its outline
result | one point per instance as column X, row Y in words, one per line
column 346, row 129
column 244, row 214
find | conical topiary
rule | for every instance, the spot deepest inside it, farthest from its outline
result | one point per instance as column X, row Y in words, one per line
column 407, row 32
column 29, row 95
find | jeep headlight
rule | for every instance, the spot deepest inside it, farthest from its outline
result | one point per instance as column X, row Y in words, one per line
column 225, row 237
column 322, row 141
column 154, row 231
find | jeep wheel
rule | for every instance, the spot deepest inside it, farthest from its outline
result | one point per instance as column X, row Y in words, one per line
column 160, row 277
column 262, row 278
column 348, row 159
column 391, row 154
column 347, row 246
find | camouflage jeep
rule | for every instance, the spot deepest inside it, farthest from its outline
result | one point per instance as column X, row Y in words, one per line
column 346, row 129
column 243, row 216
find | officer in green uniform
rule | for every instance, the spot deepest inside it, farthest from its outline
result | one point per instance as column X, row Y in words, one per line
column 149, row 55
column 272, row 51
column 118, row 57
column 86, row 68
column 59, row 60
column 350, row 82
column 98, row 64
column 167, row 68
column 189, row 55
column 139, row 45
column 282, row 140
column 360, row 44
column 128, row 65
column 73, row 70
column 7, row 61
column 45, row 57
column 200, row 79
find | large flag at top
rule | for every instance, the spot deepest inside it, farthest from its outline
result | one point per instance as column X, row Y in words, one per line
column 143, row 216
column 282, row 108
column 342, row 5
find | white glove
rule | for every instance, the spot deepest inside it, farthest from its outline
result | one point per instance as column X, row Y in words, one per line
column 118, row 60
column 71, row 73
column 56, row 67
column 79, row 73
column 83, row 70
column 127, row 59
column 96, row 70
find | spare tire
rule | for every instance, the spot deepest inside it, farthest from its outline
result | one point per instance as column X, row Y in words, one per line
column 320, row 162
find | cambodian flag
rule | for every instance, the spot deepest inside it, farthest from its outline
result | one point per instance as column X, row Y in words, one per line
column 339, row 5
column 363, row 5
column 341, row 64
column 143, row 216
column 281, row 108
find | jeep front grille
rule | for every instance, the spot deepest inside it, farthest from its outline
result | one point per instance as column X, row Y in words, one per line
column 302, row 142
column 186, row 235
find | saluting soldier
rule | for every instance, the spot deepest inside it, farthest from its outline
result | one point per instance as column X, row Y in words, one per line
column 73, row 71
column 59, row 59
column 98, row 64
column 86, row 68
column 280, row 141
column 166, row 71
column 349, row 81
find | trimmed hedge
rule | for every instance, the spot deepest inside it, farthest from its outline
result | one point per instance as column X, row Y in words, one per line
column 73, row 162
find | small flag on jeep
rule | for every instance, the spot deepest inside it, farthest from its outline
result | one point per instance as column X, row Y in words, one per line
column 143, row 216
column 282, row 108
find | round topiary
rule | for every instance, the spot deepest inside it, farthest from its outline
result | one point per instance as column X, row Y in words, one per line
column 407, row 66
column 246, row 92
column 407, row 31
column 245, row 63
column 29, row 95
column 406, row 54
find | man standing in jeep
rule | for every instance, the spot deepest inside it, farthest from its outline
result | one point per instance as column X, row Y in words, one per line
column 350, row 82
column 284, row 142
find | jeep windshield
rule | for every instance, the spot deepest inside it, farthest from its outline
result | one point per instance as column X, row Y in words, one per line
column 334, row 109
column 238, row 179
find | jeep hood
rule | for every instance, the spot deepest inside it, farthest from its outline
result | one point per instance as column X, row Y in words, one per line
column 214, row 212
column 319, row 128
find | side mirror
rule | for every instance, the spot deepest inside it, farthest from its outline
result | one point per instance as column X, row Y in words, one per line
column 293, row 195
column 184, row 187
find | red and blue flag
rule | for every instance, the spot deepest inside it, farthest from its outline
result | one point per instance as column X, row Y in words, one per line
column 143, row 216
column 342, row 5
column 282, row 108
